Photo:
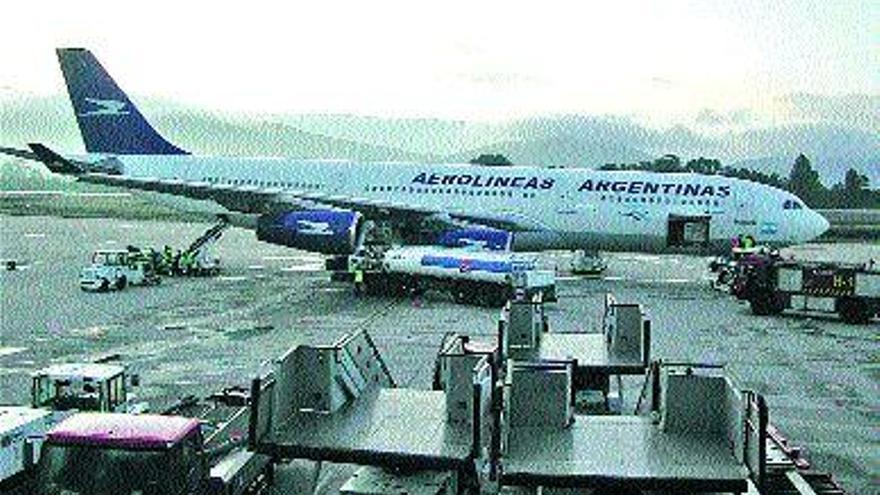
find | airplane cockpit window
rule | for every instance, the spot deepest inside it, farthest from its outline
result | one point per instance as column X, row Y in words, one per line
column 791, row 204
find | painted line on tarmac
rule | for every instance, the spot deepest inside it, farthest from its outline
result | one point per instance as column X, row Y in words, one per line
column 617, row 278
column 8, row 351
column 303, row 268
column 307, row 259
column 231, row 278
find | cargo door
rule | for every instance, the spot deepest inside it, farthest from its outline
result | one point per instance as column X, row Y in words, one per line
column 688, row 231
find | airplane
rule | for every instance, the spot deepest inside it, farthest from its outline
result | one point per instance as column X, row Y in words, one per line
column 297, row 202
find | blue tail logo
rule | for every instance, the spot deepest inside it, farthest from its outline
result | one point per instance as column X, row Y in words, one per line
column 105, row 107
column 108, row 121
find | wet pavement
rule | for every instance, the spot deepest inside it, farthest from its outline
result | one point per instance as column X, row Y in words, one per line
column 195, row 335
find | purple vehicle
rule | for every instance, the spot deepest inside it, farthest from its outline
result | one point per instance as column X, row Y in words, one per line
column 121, row 454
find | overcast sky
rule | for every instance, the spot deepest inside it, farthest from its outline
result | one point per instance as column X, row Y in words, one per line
column 469, row 59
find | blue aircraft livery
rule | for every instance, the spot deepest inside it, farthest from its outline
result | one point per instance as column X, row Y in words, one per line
column 482, row 181
column 467, row 264
column 645, row 187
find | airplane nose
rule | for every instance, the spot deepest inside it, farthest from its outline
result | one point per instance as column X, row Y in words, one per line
column 818, row 224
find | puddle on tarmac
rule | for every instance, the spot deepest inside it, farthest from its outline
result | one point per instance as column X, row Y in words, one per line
column 93, row 332
column 246, row 332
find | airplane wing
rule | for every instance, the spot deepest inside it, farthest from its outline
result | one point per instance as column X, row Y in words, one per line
column 256, row 199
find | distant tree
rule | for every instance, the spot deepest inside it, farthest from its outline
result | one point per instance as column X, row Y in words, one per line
column 498, row 160
column 855, row 192
column 705, row 166
column 804, row 182
column 854, row 181
column 668, row 163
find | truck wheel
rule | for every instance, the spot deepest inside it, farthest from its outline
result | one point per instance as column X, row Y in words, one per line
column 121, row 282
column 105, row 285
column 765, row 303
column 459, row 295
column 853, row 311
column 761, row 306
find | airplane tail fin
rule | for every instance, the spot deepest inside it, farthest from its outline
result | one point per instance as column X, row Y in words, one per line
column 108, row 121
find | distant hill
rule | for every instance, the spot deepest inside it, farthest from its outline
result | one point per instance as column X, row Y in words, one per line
column 207, row 134
column 557, row 152
column 51, row 121
column 561, row 140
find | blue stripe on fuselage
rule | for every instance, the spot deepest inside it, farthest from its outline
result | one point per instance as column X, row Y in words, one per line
column 467, row 264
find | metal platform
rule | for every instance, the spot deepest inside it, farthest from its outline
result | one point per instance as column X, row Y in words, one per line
column 510, row 420
column 387, row 427
column 624, row 453
column 338, row 403
column 591, row 353
column 623, row 347
column 704, row 436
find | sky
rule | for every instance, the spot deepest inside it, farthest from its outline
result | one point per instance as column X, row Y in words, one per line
column 659, row 61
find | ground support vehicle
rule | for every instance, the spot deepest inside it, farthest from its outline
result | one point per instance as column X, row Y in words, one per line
column 197, row 259
column 725, row 266
column 772, row 285
column 588, row 263
column 194, row 447
column 115, row 269
column 59, row 391
column 21, row 432
column 486, row 278
column 502, row 418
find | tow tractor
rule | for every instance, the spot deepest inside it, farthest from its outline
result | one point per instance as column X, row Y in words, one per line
column 589, row 263
column 772, row 285
column 725, row 266
column 114, row 269
column 57, row 392
column 92, row 454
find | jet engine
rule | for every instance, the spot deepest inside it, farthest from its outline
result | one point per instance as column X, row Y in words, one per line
column 485, row 238
column 320, row 231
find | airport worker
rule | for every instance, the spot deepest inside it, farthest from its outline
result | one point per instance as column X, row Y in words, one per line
column 138, row 256
column 358, row 281
column 175, row 264
column 155, row 259
column 186, row 262
column 167, row 259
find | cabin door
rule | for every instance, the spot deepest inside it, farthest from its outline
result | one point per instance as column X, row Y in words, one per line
column 688, row 231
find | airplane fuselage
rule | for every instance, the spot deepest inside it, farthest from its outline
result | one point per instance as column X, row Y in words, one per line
column 573, row 208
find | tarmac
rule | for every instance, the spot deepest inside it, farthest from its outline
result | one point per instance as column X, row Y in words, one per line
column 195, row 335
